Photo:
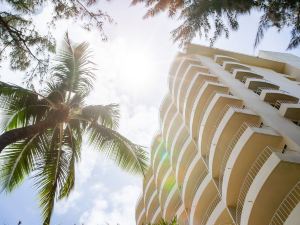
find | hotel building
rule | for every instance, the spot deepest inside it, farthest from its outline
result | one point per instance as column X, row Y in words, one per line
column 228, row 149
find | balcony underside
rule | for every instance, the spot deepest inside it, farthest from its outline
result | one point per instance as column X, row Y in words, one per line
column 254, row 84
column 220, row 215
column 153, row 205
column 203, row 197
column 231, row 122
column 165, row 105
column 200, row 105
column 266, row 191
column 241, row 74
column 186, row 156
column 193, row 179
column 217, row 104
column 272, row 96
column 183, row 66
column 194, row 88
column 191, row 71
column 178, row 142
column 231, row 66
column 251, row 143
column 221, row 58
column 191, row 87
column 290, row 111
column 172, row 204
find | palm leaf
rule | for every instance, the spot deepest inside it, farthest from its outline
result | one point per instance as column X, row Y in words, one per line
column 106, row 115
column 19, row 160
column 127, row 155
column 52, row 174
column 74, row 70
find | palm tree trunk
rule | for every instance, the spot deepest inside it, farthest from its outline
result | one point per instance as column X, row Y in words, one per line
column 18, row 134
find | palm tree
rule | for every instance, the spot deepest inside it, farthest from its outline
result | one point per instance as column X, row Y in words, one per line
column 43, row 131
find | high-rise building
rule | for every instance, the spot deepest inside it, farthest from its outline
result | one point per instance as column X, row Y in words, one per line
column 228, row 149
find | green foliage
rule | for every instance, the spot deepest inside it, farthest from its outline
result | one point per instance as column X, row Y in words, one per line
column 214, row 18
column 58, row 119
column 25, row 46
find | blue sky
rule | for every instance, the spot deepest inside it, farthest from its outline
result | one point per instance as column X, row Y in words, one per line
column 133, row 70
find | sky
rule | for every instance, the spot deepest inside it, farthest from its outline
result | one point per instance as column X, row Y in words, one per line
column 132, row 71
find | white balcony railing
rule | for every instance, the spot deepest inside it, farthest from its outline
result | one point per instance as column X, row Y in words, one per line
column 199, row 181
column 254, row 169
column 214, row 128
column 210, row 209
column 230, row 147
column 286, row 206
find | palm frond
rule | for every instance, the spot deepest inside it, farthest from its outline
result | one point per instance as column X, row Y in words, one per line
column 19, row 159
column 14, row 98
column 127, row 155
column 72, row 140
column 52, row 174
column 106, row 115
column 29, row 114
column 74, row 70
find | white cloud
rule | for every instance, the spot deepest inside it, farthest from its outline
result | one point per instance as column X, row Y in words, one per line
column 113, row 208
column 63, row 206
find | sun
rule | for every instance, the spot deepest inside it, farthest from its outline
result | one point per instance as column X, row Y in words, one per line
column 134, row 65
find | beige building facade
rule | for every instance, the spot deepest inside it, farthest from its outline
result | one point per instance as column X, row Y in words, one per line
column 228, row 150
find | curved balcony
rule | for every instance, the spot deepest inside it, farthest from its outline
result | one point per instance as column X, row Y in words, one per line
column 272, row 96
column 191, row 81
column 237, row 162
column 211, row 116
column 159, row 154
column 191, row 66
column 231, row 66
column 142, row 218
column 147, row 179
column 182, row 66
column 293, row 217
column 166, row 187
column 187, row 154
column 194, row 177
column 171, row 113
column 221, row 58
column 165, row 105
column 139, row 207
column 156, row 142
column 172, row 205
column 182, row 216
column 220, row 215
column 162, row 168
column 290, row 111
column 177, row 62
column 185, row 80
column 224, row 132
column 204, row 196
column 201, row 101
column 152, row 206
column 175, row 124
column 192, row 93
column 265, row 190
column 150, row 188
column 289, row 208
column 178, row 141
column 241, row 74
column 157, row 216
column 290, row 77
column 254, row 83
column 212, row 205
